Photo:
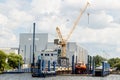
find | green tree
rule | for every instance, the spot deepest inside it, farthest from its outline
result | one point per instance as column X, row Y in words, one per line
column 14, row 60
column 3, row 58
column 114, row 62
column 98, row 60
column 117, row 65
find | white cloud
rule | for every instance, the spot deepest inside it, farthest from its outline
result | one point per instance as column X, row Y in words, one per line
column 12, row 16
column 103, row 36
column 105, row 4
column 73, row 3
column 45, row 6
column 17, row 18
column 48, row 14
column 3, row 20
column 118, row 49
column 20, row 16
column 9, row 5
column 7, row 38
column 76, row 4
column 99, row 20
column 16, row 12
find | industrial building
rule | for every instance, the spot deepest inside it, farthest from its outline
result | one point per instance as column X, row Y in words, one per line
column 26, row 45
column 42, row 44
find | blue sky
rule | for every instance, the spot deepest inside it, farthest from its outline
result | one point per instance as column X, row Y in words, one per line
column 100, row 36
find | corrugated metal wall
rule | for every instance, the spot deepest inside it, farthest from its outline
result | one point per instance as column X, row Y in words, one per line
column 26, row 45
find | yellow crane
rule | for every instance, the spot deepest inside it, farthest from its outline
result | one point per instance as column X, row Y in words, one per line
column 63, row 42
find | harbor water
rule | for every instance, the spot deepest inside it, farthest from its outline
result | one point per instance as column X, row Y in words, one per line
column 27, row 76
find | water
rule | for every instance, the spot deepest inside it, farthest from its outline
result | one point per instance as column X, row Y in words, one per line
column 27, row 76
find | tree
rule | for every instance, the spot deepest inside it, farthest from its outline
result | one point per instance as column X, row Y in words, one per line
column 117, row 65
column 14, row 60
column 98, row 60
column 114, row 62
column 3, row 58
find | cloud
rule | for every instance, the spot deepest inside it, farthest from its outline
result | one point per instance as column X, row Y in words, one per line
column 103, row 36
column 45, row 6
column 17, row 16
column 15, row 13
column 13, row 16
column 105, row 4
column 3, row 20
column 99, row 20
column 7, row 38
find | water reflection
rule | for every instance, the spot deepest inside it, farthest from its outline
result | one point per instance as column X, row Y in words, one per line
column 27, row 76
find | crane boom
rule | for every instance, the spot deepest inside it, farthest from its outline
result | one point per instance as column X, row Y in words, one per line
column 63, row 42
column 77, row 20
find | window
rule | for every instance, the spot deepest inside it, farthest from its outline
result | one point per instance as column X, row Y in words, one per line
column 48, row 54
column 45, row 54
column 41, row 54
column 51, row 54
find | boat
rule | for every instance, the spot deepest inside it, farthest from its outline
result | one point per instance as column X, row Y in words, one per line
column 80, row 68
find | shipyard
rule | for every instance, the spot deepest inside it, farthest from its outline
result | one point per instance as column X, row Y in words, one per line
column 59, row 40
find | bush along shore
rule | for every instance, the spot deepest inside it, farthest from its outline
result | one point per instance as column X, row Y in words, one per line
column 9, row 61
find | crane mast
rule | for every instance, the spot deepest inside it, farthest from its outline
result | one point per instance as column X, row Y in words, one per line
column 62, row 42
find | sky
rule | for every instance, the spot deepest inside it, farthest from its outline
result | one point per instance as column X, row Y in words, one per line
column 98, row 32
